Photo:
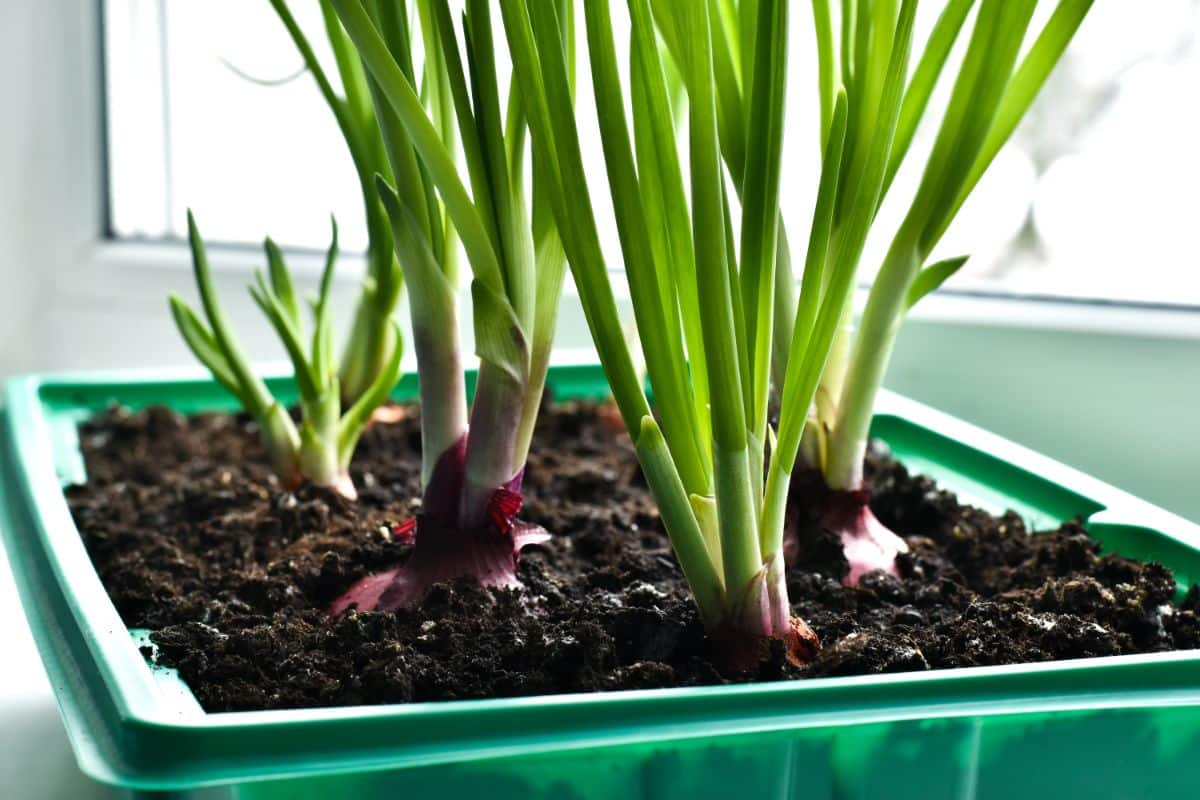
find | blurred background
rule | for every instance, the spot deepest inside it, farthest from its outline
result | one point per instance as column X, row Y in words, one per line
column 1074, row 328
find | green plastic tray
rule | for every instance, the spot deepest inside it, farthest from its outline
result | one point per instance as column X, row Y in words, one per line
column 1106, row 727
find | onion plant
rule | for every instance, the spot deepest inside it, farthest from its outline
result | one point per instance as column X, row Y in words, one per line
column 702, row 291
column 320, row 448
column 991, row 92
column 471, row 472
column 371, row 343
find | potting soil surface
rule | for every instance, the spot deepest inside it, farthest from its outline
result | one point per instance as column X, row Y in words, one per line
column 195, row 539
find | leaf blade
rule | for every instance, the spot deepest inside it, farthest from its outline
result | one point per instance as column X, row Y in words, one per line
column 931, row 278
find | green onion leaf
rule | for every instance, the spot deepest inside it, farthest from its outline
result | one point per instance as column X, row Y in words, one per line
column 929, row 279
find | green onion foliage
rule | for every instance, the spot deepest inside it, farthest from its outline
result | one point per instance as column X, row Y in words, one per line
column 498, row 211
column 320, row 448
column 371, row 342
column 991, row 91
column 703, row 292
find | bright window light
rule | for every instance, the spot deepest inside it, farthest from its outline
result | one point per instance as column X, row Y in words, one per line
column 1094, row 197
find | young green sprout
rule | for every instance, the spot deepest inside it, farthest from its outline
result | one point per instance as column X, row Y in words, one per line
column 320, row 449
column 372, row 341
column 471, row 472
column 703, row 292
column 991, row 92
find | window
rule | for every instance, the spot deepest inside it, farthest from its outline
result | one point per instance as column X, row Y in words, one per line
column 186, row 130
column 1093, row 198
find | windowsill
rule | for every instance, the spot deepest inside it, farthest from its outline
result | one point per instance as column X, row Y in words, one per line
column 136, row 270
column 1061, row 314
column 144, row 271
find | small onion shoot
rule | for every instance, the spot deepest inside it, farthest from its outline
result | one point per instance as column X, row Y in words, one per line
column 320, row 448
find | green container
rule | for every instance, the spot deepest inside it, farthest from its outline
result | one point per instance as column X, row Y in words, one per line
column 1105, row 727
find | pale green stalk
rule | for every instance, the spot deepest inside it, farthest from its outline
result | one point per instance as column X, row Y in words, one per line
column 321, row 448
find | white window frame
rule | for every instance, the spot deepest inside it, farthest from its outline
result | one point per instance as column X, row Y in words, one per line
column 1108, row 387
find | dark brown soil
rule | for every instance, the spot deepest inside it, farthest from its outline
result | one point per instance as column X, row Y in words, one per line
column 195, row 539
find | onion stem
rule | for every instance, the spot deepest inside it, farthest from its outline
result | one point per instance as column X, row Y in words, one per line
column 991, row 93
